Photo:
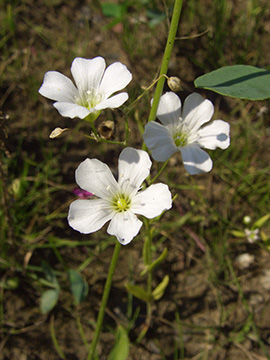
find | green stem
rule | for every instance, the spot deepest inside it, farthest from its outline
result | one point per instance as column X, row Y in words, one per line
column 159, row 172
column 149, row 276
column 99, row 139
column 149, row 257
column 162, row 75
column 104, row 301
column 147, row 262
column 54, row 340
column 80, row 328
column 166, row 57
column 94, row 130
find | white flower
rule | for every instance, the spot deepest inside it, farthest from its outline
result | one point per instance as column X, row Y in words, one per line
column 93, row 89
column 117, row 202
column 182, row 131
column 252, row 235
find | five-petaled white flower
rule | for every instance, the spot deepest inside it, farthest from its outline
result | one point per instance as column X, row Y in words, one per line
column 94, row 84
column 183, row 132
column 117, row 202
column 252, row 235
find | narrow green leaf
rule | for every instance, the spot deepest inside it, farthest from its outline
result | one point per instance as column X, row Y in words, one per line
column 260, row 222
column 238, row 81
column 120, row 350
column 265, row 239
column 238, row 233
column 160, row 289
column 159, row 260
column 139, row 292
column 78, row 285
column 155, row 263
column 48, row 300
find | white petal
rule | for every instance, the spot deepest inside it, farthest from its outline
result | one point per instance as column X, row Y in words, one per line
column 133, row 168
column 113, row 102
column 71, row 110
column 87, row 73
column 57, row 86
column 216, row 134
column 116, row 77
column 158, row 139
column 88, row 216
column 169, row 109
column 196, row 111
column 94, row 176
column 152, row 201
column 195, row 160
column 124, row 225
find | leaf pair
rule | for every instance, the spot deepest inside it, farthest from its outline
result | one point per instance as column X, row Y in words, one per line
column 156, row 294
column 49, row 298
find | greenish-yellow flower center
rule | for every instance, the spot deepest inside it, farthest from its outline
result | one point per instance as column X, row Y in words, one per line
column 180, row 139
column 89, row 99
column 121, row 203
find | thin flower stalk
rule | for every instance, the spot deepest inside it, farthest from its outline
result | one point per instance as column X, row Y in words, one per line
column 104, row 300
column 147, row 262
column 162, row 76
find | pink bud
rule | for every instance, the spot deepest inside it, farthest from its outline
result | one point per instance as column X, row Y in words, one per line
column 83, row 194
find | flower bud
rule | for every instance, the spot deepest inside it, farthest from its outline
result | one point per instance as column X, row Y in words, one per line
column 246, row 219
column 57, row 132
column 174, row 83
column 15, row 187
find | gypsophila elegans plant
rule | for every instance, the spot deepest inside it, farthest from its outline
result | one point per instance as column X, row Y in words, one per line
column 133, row 200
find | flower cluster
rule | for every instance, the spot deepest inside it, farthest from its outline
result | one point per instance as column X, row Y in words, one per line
column 103, row 198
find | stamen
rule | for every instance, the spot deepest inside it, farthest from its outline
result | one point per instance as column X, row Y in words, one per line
column 89, row 99
column 110, row 190
column 121, row 203
column 180, row 136
column 180, row 140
